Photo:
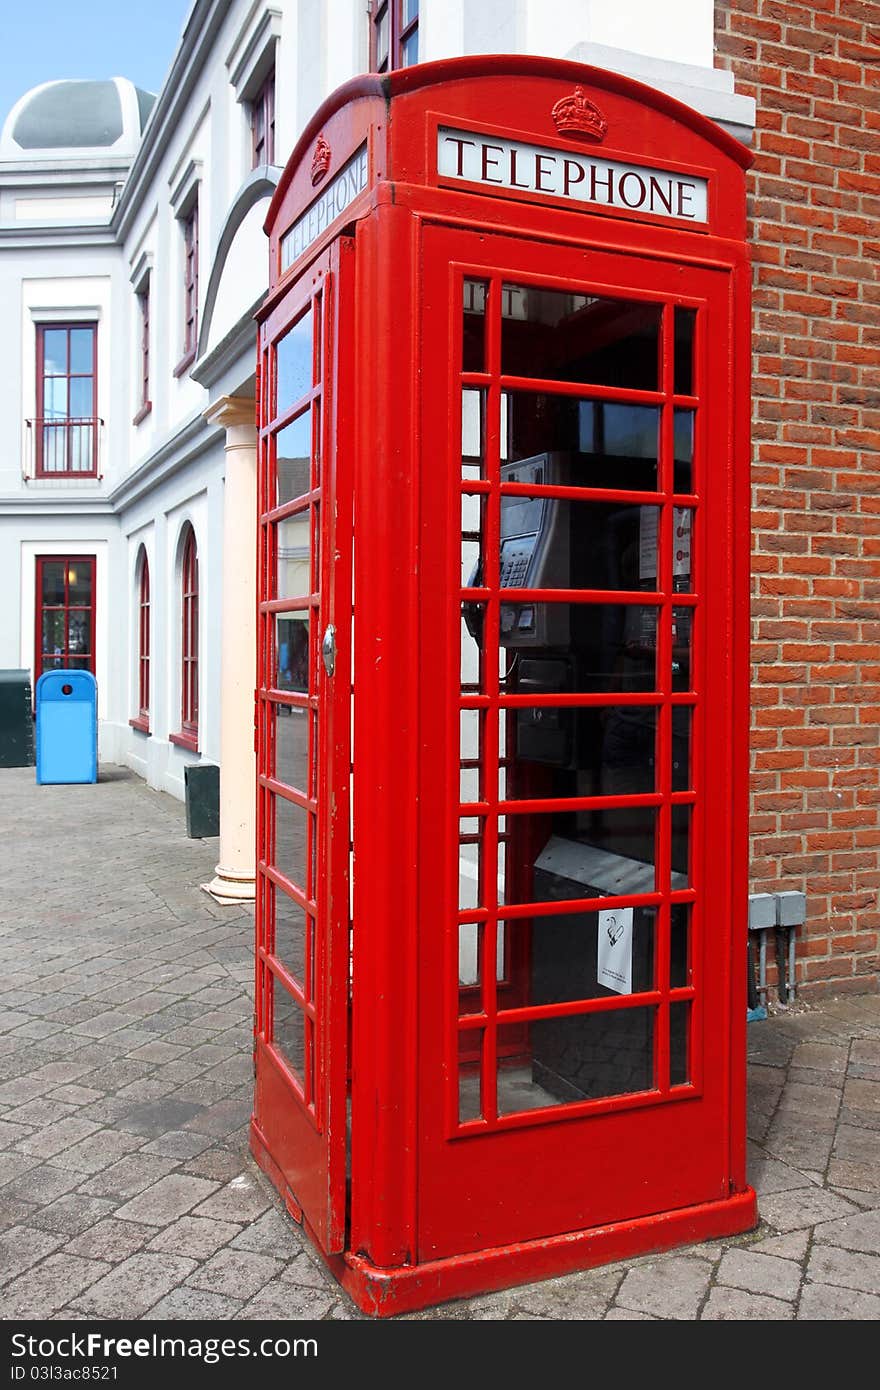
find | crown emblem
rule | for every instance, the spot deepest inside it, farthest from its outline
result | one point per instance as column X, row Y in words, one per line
column 577, row 115
column 320, row 160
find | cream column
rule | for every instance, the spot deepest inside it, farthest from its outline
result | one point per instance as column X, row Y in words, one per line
column 234, row 878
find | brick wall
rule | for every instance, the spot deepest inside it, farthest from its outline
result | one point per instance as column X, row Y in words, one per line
column 815, row 235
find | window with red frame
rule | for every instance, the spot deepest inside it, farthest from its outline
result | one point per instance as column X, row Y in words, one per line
column 145, row 405
column 66, row 427
column 65, row 613
column 143, row 715
column 190, row 225
column 189, row 663
column 263, row 123
column 394, row 34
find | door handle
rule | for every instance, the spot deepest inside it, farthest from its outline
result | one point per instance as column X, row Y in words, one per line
column 328, row 649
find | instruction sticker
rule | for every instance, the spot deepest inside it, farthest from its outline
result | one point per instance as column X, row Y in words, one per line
column 615, row 954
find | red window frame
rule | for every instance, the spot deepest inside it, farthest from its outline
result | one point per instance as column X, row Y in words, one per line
column 400, row 21
column 70, row 427
column 145, row 405
column 69, row 562
column 142, row 721
column 188, row 737
column 190, row 227
column 263, row 123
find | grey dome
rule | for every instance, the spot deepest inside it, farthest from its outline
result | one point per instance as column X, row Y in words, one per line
column 77, row 115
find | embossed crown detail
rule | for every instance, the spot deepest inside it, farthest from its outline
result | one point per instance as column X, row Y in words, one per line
column 320, row 160
column 577, row 115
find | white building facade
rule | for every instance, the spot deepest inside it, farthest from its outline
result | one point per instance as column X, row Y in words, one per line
column 132, row 260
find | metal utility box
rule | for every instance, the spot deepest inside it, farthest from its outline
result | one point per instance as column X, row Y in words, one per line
column 202, row 795
column 16, row 720
column 67, row 727
column 502, row 730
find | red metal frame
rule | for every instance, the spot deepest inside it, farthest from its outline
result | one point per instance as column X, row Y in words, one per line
column 68, row 426
column 70, row 562
column 437, row 1206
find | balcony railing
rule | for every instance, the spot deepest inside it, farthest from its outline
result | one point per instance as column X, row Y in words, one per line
column 62, row 448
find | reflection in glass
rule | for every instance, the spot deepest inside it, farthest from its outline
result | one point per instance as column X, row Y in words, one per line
column 683, row 434
column 681, row 748
column 291, row 825
column 685, row 319
column 473, row 354
column 287, row 1030
column 292, row 746
column 579, row 1057
column 53, row 630
column 679, row 1051
column 554, row 543
column 470, row 748
column 681, row 846
column 82, row 346
column 293, row 555
column 470, row 858
column 470, row 937
column 293, row 451
column 581, row 752
column 682, row 543
column 472, row 574
column 473, row 427
column 470, row 1105
column 53, row 581
column 575, row 337
column 599, row 443
column 472, row 625
column 292, row 647
column 609, row 647
column 682, row 626
column 79, row 582
column 294, row 363
column 290, row 935
column 679, row 956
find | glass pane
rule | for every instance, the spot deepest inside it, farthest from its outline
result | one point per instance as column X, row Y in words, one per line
column 580, row 752
column 78, row 663
column 580, row 1057
column 53, row 573
column 82, row 342
column 683, row 526
column 679, row 955
column 294, row 364
column 292, row 647
column 596, row 647
column 681, row 842
column 409, row 10
column 55, row 398
column 474, row 326
column 470, row 936
column 583, row 854
column 470, row 1105
column 472, row 624
column 53, row 631
column 55, row 352
column 79, row 631
column 685, row 319
column 288, row 1033
column 679, row 1052
column 382, row 41
column 553, row 543
column 558, row 957
column 291, row 825
column 681, row 749
column 470, row 859
column 294, row 556
column 575, row 337
column 683, row 431
column 290, row 935
column 409, row 50
column 292, row 747
column 82, row 448
column 682, row 623
column 584, row 443
column 473, row 426
column 79, row 580
column 81, row 397
column 293, row 447
column 470, row 751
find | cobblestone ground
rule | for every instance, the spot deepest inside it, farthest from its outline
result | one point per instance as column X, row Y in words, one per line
column 126, row 1189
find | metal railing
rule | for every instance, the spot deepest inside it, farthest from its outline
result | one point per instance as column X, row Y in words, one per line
column 66, row 448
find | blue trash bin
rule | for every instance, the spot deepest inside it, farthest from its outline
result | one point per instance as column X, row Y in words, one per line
column 67, row 727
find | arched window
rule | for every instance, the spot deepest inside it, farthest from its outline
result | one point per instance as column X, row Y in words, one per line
column 142, row 721
column 189, row 647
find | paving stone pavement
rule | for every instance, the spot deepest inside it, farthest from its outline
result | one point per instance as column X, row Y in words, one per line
column 126, row 1188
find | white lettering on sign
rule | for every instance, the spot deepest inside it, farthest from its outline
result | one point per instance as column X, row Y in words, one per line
column 582, row 178
column 351, row 180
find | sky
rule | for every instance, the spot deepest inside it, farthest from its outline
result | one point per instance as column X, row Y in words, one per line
column 47, row 39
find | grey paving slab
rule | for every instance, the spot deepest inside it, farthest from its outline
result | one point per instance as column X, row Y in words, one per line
column 734, row 1305
column 166, row 1200
column 672, row 1288
column 759, row 1273
column 851, row 1269
column 196, row 1236
column 135, row 1285
column 50, row 1285
column 828, row 1302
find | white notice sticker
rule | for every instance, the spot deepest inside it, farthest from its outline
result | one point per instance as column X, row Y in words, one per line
column 614, row 965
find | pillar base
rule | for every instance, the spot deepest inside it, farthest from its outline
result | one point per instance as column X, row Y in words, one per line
column 229, row 888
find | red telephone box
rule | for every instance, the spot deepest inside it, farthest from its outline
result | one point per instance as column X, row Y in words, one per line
column 502, row 706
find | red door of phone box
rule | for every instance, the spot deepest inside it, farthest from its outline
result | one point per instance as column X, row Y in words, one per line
column 502, row 687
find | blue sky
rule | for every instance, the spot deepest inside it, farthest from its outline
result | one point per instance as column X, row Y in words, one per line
column 46, row 39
